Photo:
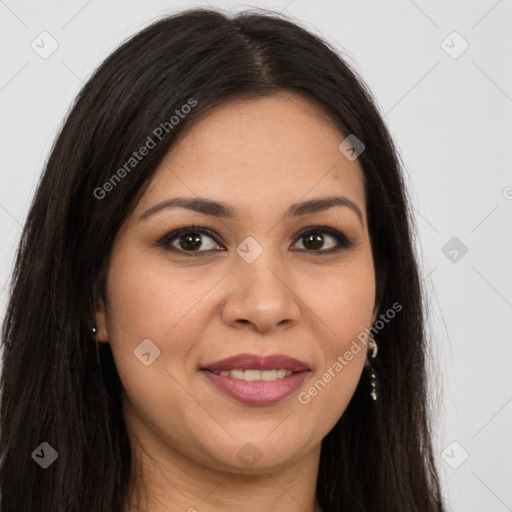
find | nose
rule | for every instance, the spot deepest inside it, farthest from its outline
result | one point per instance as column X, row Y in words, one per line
column 262, row 294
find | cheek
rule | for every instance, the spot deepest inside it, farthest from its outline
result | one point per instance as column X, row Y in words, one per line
column 149, row 300
column 344, row 303
column 345, row 309
column 150, row 297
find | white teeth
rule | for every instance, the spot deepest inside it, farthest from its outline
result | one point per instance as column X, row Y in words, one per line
column 251, row 375
column 268, row 375
column 237, row 374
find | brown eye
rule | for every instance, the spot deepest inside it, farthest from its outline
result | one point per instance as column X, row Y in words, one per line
column 315, row 238
column 313, row 241
column 189, row 240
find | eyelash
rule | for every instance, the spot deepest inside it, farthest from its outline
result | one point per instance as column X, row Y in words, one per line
column 343, row 242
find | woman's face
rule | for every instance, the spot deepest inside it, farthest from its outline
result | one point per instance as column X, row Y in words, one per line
column 253, row 284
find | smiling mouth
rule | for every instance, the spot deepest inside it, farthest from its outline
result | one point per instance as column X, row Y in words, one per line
column 255, row 379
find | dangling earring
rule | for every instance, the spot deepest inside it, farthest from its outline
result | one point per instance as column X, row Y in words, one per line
column 373, row 375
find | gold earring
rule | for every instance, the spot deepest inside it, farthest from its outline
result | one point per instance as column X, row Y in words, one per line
column 373, row 384
column 373, row 347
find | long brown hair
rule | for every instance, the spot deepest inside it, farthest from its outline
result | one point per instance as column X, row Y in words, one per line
column 57, row 387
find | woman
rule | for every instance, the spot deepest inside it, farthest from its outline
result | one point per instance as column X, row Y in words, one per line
column 216, row 302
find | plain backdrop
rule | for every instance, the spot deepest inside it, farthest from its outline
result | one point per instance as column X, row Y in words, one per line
column 441, row 73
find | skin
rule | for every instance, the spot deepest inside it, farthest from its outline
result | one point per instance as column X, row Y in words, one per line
column 259, row 156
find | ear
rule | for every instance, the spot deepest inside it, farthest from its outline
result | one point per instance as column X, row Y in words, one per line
column 101, row 321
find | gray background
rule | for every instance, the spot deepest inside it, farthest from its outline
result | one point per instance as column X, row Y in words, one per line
column 451, row 118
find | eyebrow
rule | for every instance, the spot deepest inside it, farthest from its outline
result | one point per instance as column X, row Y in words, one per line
column 214, row 208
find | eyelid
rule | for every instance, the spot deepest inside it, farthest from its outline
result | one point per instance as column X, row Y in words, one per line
column 343, row 241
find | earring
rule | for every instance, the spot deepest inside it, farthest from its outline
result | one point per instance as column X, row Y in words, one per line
column 373, row 376
column 94, row 331
column 373, row 384
column 373, row 347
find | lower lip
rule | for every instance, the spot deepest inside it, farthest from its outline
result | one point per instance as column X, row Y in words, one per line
column 258, row 392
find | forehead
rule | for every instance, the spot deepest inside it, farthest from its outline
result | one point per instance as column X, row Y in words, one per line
column 257, row 154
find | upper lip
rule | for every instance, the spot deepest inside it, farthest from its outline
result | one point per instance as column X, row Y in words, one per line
column 257, row 362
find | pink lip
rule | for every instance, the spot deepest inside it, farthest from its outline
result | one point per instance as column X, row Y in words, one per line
column 257, row 392
column 256, row 362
